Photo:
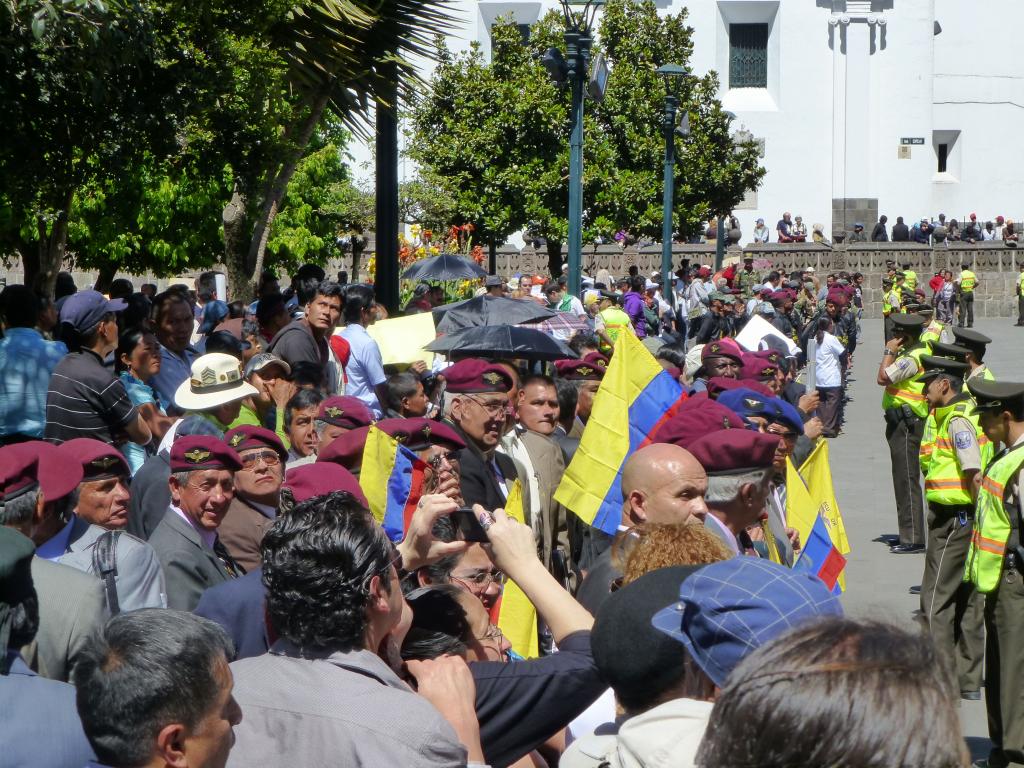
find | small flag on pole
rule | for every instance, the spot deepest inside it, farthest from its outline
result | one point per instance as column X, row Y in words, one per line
column 820, row 557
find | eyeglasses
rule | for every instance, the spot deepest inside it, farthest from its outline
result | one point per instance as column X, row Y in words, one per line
column 494, row 408
column 480, row 579
column 783, row 435
column 270, row 458
column 451, row 457
column 493, row 633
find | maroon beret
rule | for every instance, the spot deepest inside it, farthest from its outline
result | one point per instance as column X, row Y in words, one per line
column 722, row 348
column 99, row 460
column 578, row 370
column 348, row 412
column 346, row 449
column 597, row 359
column 473, row 375
column 758, row 369
column 734, row 451
column 311, row 480
column 420, row 433
column 837, row 297
column 37, row 464
column 772, row 356
column 247, row 436
column 198, row 452
column 694, row 419
column 718, row 384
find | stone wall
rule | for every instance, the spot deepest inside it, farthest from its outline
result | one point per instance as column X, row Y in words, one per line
column 997, row 266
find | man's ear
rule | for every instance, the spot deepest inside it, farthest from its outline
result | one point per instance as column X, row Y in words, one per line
column 637, row 503
column 170, row 745
column 379, row 595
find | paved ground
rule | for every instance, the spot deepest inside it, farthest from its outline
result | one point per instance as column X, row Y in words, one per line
column 877, row 581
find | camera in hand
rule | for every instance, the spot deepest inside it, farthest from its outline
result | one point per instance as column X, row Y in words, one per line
column 468, row 524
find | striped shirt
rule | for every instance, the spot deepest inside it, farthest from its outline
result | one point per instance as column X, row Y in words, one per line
column 86, row 400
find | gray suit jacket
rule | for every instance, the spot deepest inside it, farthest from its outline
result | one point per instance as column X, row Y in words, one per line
column 190, row 566
column 41, row 728
column 139, row 579
column 71, row 610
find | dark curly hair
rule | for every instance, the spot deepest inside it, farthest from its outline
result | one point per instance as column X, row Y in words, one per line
column 318, row 561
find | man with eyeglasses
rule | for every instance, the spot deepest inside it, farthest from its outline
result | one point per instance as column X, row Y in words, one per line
column 257, row 492
column 436, row 444
column 202, row 487
column 476, row 403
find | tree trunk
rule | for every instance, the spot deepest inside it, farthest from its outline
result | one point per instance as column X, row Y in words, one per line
column 236, row 248
column 555, row 259
column 105, row 277
column 358, row 244
column 52, row 247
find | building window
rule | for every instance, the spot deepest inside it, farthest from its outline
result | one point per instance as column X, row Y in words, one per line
column 943, row 153
column 748, row 55
column 524, row 32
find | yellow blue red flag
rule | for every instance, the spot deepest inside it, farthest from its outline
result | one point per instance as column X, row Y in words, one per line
column 636, row 397
column 516, row 615
column 392, row 481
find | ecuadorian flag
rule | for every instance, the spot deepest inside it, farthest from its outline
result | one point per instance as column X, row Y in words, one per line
column 392, row 480
column 636, row 397
column 820, row 557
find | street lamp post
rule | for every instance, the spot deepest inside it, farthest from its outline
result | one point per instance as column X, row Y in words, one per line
column 574, row 69
column 672, row 74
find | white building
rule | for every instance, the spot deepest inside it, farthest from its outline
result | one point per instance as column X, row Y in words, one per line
column 900, row 107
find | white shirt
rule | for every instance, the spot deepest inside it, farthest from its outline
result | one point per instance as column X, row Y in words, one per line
column 365, row 367
column 827, row 368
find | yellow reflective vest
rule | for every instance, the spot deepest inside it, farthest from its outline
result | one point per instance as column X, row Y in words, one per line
column 968, row 281
column 911, row 391
column 992, row 523
column 933, row 331
column 910, row 279
column 944, row 483
column 615, row 322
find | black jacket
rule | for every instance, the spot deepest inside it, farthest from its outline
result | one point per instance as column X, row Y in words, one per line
column 900, row 233
column 478, row 483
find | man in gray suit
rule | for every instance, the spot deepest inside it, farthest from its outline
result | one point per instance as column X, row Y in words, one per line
column 40, row 723
column 71, row 605
column 202, row 487
column 94, row 540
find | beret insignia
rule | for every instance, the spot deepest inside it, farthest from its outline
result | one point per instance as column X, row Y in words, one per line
column 197, row 455
column 716, row 348
column 585, row 371
column 426, row 431
column 103, row 462
column 236, row 439
column 334, row 411
column 402, row 436
column 752, row 404
column 767, row 371
column 492, row 378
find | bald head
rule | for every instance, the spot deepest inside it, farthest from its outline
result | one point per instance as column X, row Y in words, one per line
column 663, row 483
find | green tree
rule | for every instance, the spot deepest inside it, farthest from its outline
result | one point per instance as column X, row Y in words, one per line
column 494, row 136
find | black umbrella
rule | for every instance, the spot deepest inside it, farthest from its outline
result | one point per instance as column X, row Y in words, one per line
column 489, row 310
column 445, row 266
column 501, row 341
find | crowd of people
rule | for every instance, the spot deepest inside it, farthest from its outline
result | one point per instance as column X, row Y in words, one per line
column 190, row 573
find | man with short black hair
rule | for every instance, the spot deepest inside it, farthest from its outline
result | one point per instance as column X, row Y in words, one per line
column 84, row 397
column 155, row 689
column 305, row 340
column 299, row 417
column 495, row 286
column 365, row 368
column 26, row 362
column 328, row 689
column 406, row 397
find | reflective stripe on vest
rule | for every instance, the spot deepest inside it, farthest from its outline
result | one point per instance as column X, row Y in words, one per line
column 924, row 454
column 944, row 482
column 911, row 391
column 992, row 522
column 967, row 281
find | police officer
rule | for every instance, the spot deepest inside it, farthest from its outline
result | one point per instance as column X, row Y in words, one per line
column 890, row 304
column 995, row 563
column 967, row 282
column 951, row 608
column 905, row 409
column 976, row 344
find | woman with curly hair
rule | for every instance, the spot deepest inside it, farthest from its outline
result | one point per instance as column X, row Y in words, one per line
column 657, row 546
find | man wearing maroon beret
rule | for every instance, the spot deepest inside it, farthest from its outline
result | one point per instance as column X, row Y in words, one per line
column 202, row 487
column 722, row 358
column 436, row 444
column 739, row 467
column 586, row 375
column 334, row 417
column 476, row 403
column 257, row 492
column 94, row 540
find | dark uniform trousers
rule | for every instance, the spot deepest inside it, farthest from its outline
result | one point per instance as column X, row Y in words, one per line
column 903, row 433
column 966, row 309
column 1004, row 664
column 952, row 609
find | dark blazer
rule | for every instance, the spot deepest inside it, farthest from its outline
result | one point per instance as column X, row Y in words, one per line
column 479, row 486
column 190, row 567
column 237, row 605
column 150, row 496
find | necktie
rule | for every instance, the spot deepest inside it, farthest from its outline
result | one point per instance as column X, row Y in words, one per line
column 233, row 569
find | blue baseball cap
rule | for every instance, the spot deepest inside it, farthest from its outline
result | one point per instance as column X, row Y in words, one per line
column 85, row 309
column 728, row 609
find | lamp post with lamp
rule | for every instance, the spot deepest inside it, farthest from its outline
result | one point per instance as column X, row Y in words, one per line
column 673, row 75
column 574, row 69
